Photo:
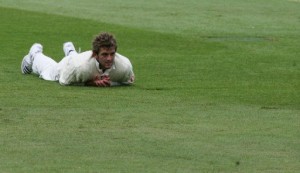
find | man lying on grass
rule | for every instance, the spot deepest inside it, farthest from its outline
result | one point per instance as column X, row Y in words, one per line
column 101, row 67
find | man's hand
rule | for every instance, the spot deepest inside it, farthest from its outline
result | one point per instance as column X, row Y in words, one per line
column 103, row 81
column 131, row 80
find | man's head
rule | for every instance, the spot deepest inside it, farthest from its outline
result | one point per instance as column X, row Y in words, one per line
column 104, row 49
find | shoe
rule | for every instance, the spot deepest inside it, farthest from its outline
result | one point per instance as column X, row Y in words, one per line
column 35, row 48
column 68, row 47
column 26, row 65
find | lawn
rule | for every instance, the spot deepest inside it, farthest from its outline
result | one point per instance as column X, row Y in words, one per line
column 217, row 88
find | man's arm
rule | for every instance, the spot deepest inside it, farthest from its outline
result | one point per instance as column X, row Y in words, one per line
column 129, row 82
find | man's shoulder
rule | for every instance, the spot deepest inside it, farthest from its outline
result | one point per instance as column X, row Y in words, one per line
column 86, row 54
column 120, row 56
column 122, row 59
column 82, row 57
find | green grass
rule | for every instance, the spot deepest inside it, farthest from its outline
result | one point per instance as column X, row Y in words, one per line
column 217, row 88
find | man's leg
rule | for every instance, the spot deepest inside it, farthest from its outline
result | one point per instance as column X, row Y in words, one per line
column 26, row 65
column 69, row 49
column 39, row 64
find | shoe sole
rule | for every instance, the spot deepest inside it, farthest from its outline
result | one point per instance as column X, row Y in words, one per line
column 25, row 69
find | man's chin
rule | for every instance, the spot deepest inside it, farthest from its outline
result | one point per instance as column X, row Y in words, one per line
column 108, row 66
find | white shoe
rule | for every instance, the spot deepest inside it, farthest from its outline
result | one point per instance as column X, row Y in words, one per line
column 68, row 47
column 26, row 65
column 35, row 48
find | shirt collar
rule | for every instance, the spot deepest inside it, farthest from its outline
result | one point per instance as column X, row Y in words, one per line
column 101, row 70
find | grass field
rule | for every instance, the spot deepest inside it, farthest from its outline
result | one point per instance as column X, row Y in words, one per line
column 217, row 88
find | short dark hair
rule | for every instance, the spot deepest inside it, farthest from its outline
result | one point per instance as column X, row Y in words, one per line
column 104, row 39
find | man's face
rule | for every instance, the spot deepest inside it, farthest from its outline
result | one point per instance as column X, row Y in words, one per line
column 106, row 57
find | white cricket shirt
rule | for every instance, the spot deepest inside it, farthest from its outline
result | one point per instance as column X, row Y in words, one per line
column 82, row 67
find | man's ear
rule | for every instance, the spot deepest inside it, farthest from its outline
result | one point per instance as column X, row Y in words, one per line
column 94, row 55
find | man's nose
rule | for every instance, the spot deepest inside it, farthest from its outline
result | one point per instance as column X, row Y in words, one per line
column 110, row 57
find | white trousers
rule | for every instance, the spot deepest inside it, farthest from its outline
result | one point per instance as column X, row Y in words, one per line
column 45, row 67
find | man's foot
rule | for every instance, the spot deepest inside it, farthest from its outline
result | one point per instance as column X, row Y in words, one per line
column 26, row 65
column 68, row 47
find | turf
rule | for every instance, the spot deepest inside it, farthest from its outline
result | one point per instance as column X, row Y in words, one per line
column 217, row 88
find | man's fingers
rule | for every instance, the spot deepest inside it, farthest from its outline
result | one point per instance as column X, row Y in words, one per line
column 105, row 77
column 105, row 82
column 98, row 78
column 102, row 83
